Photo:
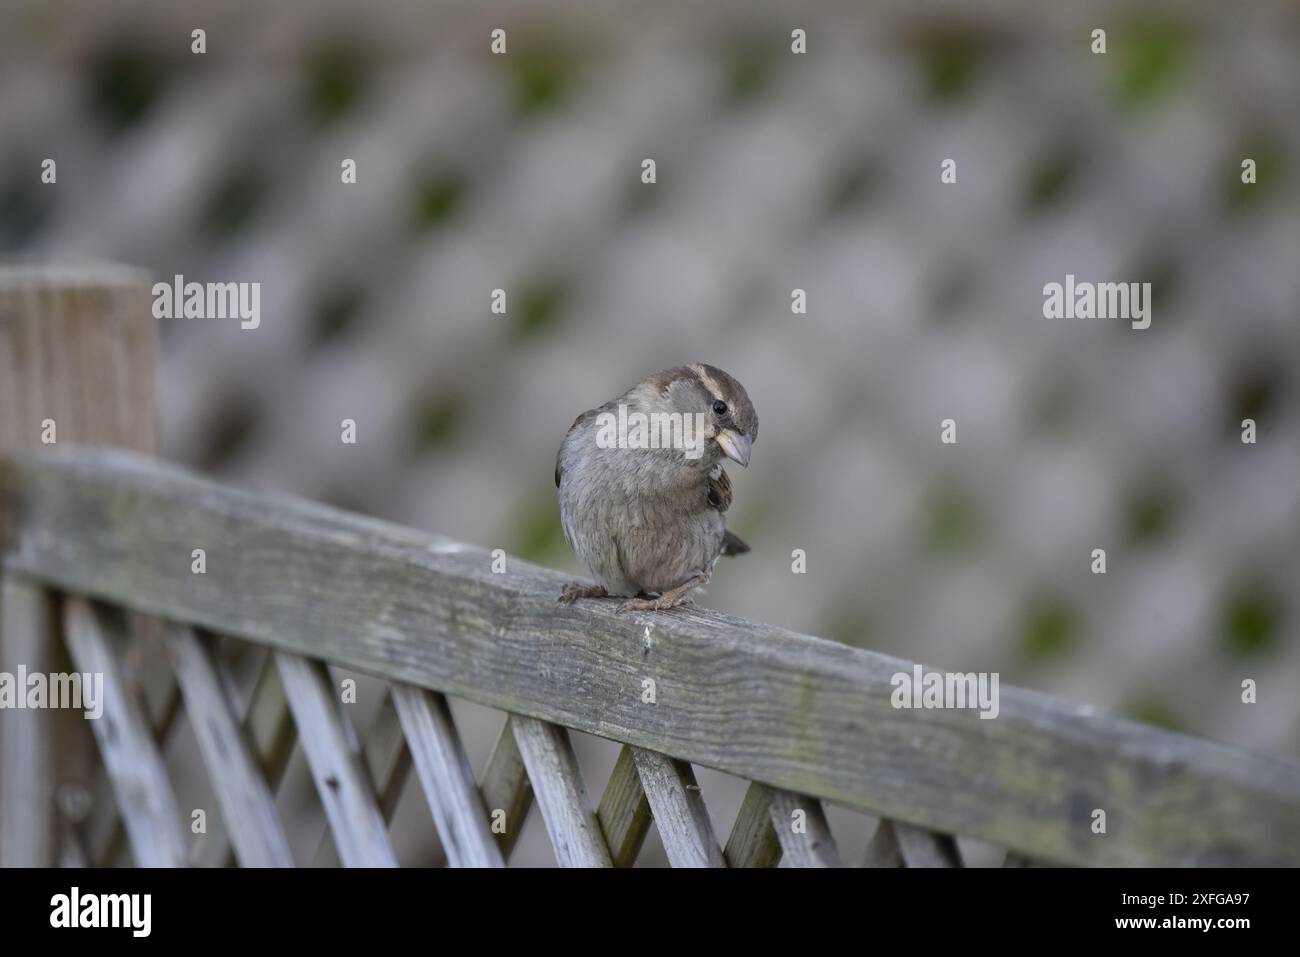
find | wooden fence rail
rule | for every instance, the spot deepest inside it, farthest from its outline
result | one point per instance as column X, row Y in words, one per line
column 97, row 572
column 807, row 720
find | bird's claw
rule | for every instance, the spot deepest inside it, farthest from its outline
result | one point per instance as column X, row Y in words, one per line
column 573, row 592
column 662, row 603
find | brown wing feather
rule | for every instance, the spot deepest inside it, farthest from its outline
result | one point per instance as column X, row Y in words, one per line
column 720, row 491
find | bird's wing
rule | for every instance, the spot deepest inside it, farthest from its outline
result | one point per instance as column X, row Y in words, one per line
column 719, row 491
column 720, row 498
column 576, row 422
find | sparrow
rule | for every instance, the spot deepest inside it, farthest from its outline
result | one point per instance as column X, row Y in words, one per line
column 648, row 521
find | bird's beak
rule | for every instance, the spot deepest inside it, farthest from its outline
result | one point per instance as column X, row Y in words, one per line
column 735, row 445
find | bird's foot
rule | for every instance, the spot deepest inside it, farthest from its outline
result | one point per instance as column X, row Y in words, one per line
column 662, row 603
column 673, row 598
column 573, row 592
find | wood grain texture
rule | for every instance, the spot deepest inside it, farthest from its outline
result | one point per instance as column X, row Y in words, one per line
column 800, row 825
column 447, row 778
column 268, row 725
column 624, row 811
column 358, row 826
column 388, row 761
column 149, row 675
column 245, row 799
column 788, row 710
column 387, row 757
column 679, row 811
column 505, row 787
column 753, row 841
column 77, row 347
column 561, row 795
column 144, row 794
column 28, row 823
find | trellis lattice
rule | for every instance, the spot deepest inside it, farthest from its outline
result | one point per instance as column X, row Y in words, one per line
column 309, row 588
column 245, row 747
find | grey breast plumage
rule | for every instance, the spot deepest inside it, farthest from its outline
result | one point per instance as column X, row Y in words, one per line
column 639, row 519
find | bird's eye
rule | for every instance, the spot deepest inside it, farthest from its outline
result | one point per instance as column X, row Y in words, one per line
column 719, row 407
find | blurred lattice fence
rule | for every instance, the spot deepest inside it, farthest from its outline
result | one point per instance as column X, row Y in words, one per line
column 775, row 172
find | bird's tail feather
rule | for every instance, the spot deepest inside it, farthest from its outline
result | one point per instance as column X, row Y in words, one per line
column 733, row 545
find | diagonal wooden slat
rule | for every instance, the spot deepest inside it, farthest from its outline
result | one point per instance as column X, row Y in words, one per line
column 447, row 778
column 271, row 736
column 624, row 810
column 753, row 841
column 805, row 837
column 387, row 757
column 679, row 811
column 27, row 813
column 76, row 348
column 882, row 849
column 149, row 676
column 896, row 844
column 388, row 760
column 925, row 848
column 243, row 796
column 561, row 796
column 269, row 722
column 344, row 787
column 160, row 701
column 827, row 729
column 103, row 825
column 144, row 795
column 505, row 787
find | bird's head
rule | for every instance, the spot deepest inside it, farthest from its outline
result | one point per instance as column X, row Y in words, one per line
column 730, row 422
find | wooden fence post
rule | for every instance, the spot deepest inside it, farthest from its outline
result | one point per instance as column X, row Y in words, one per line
column 77, row 366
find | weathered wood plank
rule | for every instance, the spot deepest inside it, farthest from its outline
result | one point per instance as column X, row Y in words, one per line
column 678, row 809
column 77, row 365
column 561, row 796
column 388, row 760
column 344, row 787
column 753, row 841
column 624, row 811
column 77, row 347
column 800, row 825
column 896, row 844
column 505, row 788
column 159, row 696
column 244, row 798
column 387, row 757
column 447, row 778
column 787, row 710
column 268, row 725
column 28, row 822
column 144, row 795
